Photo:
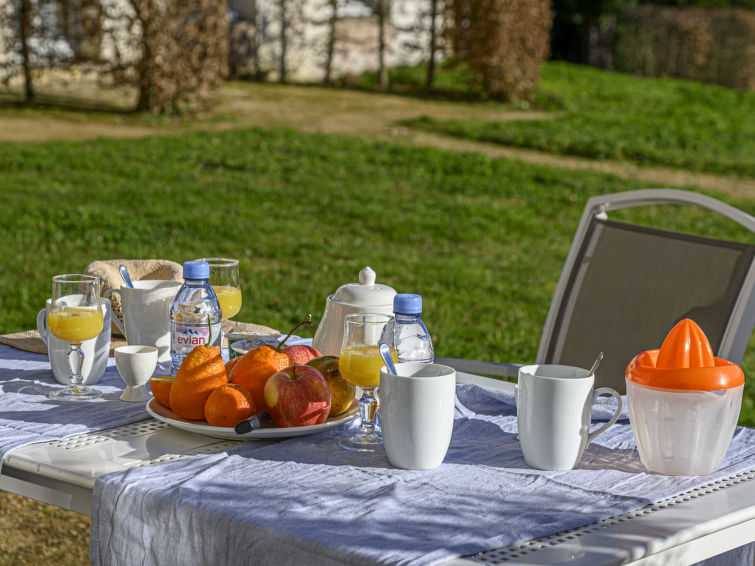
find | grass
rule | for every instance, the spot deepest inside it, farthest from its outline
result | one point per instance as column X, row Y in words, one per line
column 482, row 239
column 609, row 115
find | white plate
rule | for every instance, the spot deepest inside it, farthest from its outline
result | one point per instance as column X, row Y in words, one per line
column 162, row 413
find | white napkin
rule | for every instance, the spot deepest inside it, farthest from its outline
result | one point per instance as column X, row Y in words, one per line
column 28, row 416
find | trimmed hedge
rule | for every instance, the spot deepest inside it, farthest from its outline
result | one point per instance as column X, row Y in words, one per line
column 703, row 44
column 505, row 43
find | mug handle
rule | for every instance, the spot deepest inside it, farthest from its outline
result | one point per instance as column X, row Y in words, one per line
column 114, row 318
column 41, row 326
column 606, row 391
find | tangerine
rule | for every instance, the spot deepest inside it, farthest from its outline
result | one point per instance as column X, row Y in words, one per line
column 254, row 369
column 200, row 373
column 161, row 387
column 228, row 405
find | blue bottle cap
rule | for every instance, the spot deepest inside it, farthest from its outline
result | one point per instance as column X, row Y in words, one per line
column 407, row 303
column 196, row 270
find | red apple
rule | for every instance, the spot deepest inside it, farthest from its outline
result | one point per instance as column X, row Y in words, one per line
column 301, row 354
column 297, row 396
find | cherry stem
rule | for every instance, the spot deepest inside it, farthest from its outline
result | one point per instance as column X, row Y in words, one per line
column 308, row 322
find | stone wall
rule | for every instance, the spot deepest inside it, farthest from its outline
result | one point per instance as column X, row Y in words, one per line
column 256, row 38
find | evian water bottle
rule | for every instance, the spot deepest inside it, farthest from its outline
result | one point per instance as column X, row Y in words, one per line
column 195, row 315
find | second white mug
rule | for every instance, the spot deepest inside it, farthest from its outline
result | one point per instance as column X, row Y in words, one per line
column 554, row 411
column 417, row 414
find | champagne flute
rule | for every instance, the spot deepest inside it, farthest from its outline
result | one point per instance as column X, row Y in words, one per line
column 224, row 279
column 75, row 315
column 360, row 364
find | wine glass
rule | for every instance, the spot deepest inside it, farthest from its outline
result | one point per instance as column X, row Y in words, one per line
column 224, row 279
column 360, row 364
column 75, row 315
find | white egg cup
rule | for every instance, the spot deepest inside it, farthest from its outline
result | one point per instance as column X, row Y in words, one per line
column 136, row 364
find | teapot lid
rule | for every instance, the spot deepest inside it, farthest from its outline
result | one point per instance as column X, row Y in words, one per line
column 366, row 292
column 684, row 362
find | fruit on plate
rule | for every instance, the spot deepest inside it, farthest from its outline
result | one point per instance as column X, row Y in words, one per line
column 201, row 371
column 342, row 392
column 160, row 387
column 255, row 367
column 228, row 405
column 301, row 354
column 297, row 396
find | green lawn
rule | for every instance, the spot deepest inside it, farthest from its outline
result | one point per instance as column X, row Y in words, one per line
column 608, row 115
column 482, row 239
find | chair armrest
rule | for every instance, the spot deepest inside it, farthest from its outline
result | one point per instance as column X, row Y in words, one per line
column 481, row 367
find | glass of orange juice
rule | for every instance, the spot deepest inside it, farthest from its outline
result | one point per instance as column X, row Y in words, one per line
column 224, row 279
column 75, row 315
column 360, row 363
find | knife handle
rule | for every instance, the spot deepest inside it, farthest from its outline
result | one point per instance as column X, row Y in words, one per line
column 253, row 423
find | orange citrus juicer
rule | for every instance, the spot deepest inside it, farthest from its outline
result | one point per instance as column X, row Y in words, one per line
column 685, row 361
column 683, row 403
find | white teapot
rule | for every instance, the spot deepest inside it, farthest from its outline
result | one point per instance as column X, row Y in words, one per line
column 363, row 297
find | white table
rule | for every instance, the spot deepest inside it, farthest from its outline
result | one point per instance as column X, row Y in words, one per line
column 682, row 530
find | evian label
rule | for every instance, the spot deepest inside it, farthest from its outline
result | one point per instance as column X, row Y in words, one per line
column 187, row 336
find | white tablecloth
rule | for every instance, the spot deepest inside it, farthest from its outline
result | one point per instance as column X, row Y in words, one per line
column 307, row 501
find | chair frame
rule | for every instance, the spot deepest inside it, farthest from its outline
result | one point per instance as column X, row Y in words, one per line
column 741, row 320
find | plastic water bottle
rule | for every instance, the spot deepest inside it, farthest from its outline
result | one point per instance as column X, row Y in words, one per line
column 195, row 317
column 410, row 335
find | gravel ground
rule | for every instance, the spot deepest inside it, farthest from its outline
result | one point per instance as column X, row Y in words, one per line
column 35, row 533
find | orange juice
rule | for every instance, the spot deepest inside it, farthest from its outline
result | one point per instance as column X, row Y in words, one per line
column 229, row 299
column 361, row 365
column 75, row 324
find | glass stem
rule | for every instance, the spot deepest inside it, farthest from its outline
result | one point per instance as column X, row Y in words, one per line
column 76, row 377
column 367, row 410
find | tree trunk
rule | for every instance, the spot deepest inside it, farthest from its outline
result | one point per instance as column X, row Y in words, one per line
column 283, row 40
column 331, row 40
column 383, row 13
column 256, row 42
column 430, row 79
column 25, row 28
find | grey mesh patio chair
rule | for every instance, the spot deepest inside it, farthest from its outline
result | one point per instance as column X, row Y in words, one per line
column 624, row 286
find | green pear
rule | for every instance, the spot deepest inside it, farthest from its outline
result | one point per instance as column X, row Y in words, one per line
column 342, row 392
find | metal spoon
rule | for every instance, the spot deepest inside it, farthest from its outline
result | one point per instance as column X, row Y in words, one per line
column 385, row 353
column 125, row 275
column 596, row 364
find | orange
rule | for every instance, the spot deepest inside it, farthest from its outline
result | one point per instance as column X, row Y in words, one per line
column 255, row 367
column 200, row 372
column 161, row 387
column 228, row 405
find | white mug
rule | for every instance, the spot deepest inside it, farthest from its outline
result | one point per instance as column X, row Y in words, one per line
column 417, row 414
column 554, row 411
column 96, row 350
column 145, row 309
